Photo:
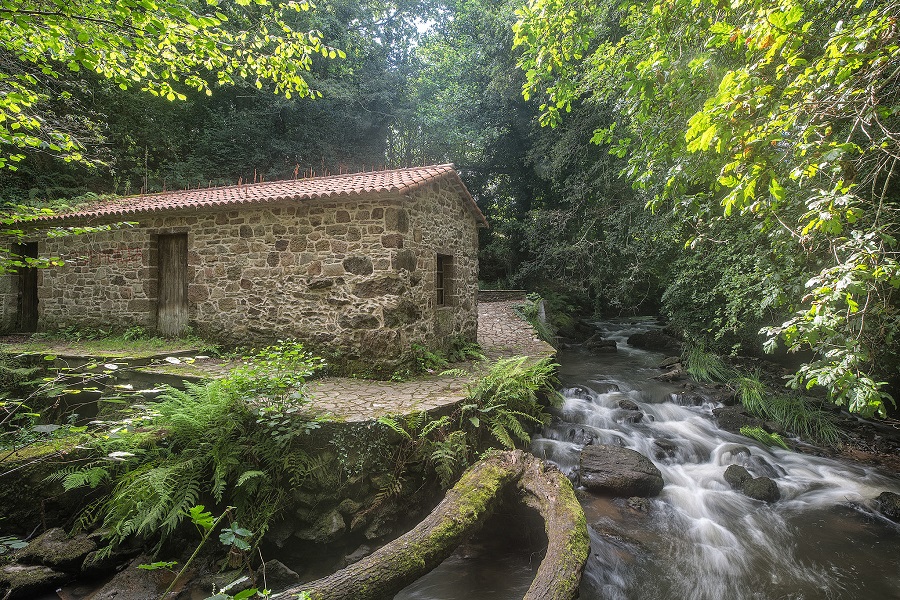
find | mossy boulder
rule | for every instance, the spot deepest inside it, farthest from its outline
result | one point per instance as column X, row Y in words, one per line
column 762, row 488
column 326, row 528
column 28, row 581
column 55, row 549
column 737, row 476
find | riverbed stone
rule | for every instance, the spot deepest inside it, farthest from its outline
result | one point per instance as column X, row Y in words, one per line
column 762, row 488
column 55, row 549
column 616, row 471
column 732, row 418
column 597, row 343
column 737, row 476
column 669, row 361
column 889, row 505
column 28, row 581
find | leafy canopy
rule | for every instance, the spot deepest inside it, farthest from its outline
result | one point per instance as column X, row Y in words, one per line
column 166, row 47
column 785, row 112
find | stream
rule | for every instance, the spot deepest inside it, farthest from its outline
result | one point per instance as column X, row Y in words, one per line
column 698, row 539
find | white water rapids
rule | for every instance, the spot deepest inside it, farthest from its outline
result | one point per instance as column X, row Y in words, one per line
column 700, row 540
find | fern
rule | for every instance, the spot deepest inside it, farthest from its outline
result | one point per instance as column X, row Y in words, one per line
column 764, row 437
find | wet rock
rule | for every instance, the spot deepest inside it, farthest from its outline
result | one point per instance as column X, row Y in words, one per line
column 55, row 549
column 670, row 361
column 580, row 436
column 760, row 466
column 664, row 449
column 761, row 488
column 29, row 581
column 639, row 504
column 737, row 476
column 631, row 416
column 276, row 575
column 579, row 393
column 655, row 341
column 597, row 343
column 616, row 471
column 671, row 375
column 732, row 418
column 734, row 453
column 325, row 529
column 236, row 580
column 625, row 404
column 605, row 387
column 889, row 505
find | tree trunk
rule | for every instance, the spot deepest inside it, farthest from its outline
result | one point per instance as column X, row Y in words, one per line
column 461, row 513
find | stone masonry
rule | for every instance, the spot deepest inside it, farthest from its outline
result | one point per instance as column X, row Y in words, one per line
column 355, row 275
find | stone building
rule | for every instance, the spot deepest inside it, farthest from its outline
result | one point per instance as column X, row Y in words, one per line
column 365, row 264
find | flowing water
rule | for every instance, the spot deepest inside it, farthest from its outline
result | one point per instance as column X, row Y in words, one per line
column 699, row 539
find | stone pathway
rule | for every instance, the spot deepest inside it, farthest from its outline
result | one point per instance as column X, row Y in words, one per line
column 501, row 333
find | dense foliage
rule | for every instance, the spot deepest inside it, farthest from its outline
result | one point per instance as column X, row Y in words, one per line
column 762, row 136
column 782, row 113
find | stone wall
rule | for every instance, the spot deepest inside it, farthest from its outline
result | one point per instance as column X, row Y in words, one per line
column 352, row 275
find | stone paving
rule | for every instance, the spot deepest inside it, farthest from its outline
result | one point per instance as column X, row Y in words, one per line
column 501, row 333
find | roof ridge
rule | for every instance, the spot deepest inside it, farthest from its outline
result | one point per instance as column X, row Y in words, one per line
column 445, row 166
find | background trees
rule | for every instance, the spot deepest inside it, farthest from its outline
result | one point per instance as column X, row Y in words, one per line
column 762, row 136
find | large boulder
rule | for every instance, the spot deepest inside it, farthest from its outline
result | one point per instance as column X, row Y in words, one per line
column 656, row 341
column 619, row 472
column 889, row 505
column 56, row 550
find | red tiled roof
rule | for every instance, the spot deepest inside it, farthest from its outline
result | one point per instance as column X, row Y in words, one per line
column 401, row 181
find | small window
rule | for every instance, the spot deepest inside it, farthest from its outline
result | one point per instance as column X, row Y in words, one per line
column 443, row 279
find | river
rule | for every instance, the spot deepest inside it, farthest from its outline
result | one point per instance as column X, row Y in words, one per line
column 699, row 539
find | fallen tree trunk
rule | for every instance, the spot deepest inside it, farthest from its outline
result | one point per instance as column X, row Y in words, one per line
column 466, row 507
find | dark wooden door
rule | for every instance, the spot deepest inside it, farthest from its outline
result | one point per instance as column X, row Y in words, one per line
column 27, row 293
column 172, row 307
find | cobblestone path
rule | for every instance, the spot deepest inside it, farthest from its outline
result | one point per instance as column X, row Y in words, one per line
column 501, row 333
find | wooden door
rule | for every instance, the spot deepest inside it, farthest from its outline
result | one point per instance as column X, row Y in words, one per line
column 172, row 305
column 27, row 301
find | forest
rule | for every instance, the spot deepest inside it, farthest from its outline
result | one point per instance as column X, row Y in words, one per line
column 729, row 169
column 732, row 168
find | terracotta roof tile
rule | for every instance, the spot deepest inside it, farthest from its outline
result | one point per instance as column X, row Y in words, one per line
column 401, row 181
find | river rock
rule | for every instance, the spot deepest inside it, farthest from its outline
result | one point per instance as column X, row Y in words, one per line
column 889, row 505
column 605, row 387
column 276, row 575
column 597, row 343
column 55, row 549
column 670, row 361
column 656, row 341
column 619, row 471
column 664, row 448
column 737, row 476
column 732, row 418
column 761, row 488
column 579, row 393
column 631, row 416
column 760, row 466
column 29, row 581
column 577, row 435
column 671, row 375
column 626, row 404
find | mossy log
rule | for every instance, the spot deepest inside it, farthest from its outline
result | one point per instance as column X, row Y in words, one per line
column 461, row 513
